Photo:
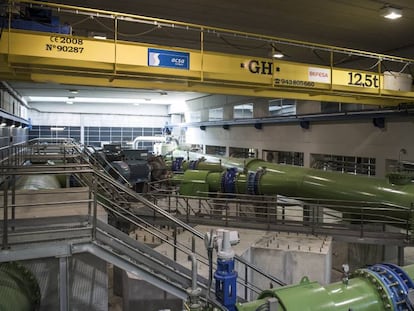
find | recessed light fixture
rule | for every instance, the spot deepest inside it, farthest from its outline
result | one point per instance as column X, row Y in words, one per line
column 74, row 91
column 391, row 12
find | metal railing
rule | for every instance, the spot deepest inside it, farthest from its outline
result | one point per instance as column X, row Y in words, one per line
column 96, row 181
column 366, row 221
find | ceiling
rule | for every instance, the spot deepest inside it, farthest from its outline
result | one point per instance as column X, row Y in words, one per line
column 355, row 24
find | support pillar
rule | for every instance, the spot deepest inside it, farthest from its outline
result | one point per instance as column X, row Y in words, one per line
column 63, row 284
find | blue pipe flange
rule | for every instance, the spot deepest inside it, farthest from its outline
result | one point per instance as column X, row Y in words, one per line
column 259, row 173
column 193, row 164
column 177, row 164
column 228, row 180
column 253, row 180
column 250, row 182
column 397, row 284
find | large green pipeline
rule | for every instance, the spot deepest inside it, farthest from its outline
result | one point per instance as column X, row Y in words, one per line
column 19, row 290
column 256, row 176
column 382, row 287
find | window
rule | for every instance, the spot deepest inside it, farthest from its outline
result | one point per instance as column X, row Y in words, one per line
column 194, row 116
column 236, row 152
column 215, row 114
column 216, row 150
column 344, row 164
column 243, row 111
column 282, row 107
column 283, row 157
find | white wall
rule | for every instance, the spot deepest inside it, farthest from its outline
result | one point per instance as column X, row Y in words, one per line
column 341, row 138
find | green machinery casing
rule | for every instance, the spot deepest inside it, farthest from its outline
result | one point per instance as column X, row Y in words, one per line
column 19, row 290
column 383, row 287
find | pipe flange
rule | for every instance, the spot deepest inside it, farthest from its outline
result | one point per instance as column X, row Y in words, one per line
column 398, row 282
column 253, row 181
column 393, row 284
column 259, row 173
column 251, row 176
column 228, row 180
column 177, row 164
column 193, row 164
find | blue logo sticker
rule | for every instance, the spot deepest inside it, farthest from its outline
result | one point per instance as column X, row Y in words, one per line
column 168, row 59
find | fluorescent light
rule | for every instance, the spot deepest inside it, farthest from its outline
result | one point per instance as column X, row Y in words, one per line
column 162, row 100
column 74, row 91
column 391, row 13
column 97, row 35
column 108, row 100
column 3, row 124
column 100, row 37
column 57, row 128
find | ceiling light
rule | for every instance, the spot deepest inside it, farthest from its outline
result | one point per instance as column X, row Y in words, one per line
column 136, row 104
column 73, row 99
column 103, row 100
column 391, row 13
column 277, row 54
column 74, row 91
column 3, row 123
column 97, row 35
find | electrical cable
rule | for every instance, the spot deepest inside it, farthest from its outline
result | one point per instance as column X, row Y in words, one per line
column 240, row 47
column 126, row 34
column 403, row 68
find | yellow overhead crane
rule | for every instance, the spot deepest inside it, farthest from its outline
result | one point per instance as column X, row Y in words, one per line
column 50, row 57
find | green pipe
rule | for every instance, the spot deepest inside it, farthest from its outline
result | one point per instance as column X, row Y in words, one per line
column 297, row 181
column 365, row 291
column 19, row 290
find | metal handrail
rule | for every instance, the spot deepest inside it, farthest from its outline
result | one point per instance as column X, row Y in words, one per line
column 118, row 210
column 117, row 16
column 362, row 214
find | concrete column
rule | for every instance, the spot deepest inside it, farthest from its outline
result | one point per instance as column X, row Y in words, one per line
column 204, row 115
column 261, row 108
column 228, row 112
column 308, row 106
column 63, row 284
